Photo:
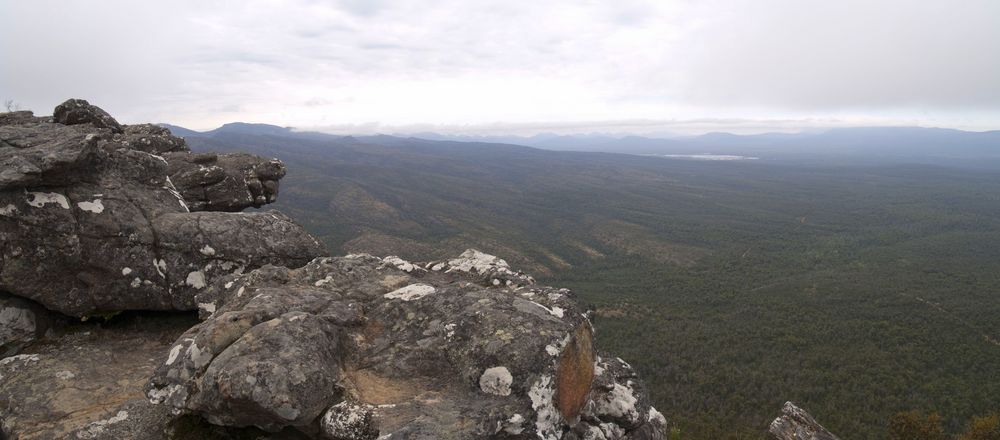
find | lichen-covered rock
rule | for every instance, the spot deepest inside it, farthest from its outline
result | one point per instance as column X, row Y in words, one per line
column 483, row 267
column 152, row 139
column 439, row 354
column 796, row 424
column 224, row 182
column 91, row 222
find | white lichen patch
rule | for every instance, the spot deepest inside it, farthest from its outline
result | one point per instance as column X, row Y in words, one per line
column 96, row 206
column 411, row 292
column 207, row 307
column 619, row 403
column 126, row 271
column 557, row 347
column 13, row 363
column 514, row 425
column 196, row 279
column 450, row 329
column 496, row 381
column 479, row 262
column 157, row 396
column 207, row 250
column 161, row 267
column 547, row 420
column 556, row 311
column 229, row 285
column 399, row 263
column 199, row 357
column 552, row 350
column 136, row 282
column 40, row 199
column 65, row 375
column 8, row 211
column 598, row 367
column 655, row 416
column 320, row 283
column 174, row 352
column 97, row 428
column 361, row 256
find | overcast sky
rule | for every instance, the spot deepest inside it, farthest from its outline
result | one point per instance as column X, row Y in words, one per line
column 511, row 66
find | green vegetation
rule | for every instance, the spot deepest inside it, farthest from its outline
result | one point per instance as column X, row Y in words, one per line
column 856, row 291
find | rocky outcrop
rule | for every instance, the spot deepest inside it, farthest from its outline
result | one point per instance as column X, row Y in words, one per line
column 226, row 182
column 796, row 424
column 418, row 350
column 79, row 111
column 97, row 218
column 92, row 222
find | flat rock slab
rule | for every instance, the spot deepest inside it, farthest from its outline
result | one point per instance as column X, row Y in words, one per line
column 57, row 386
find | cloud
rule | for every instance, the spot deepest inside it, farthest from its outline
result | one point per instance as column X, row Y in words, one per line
column 472, row 63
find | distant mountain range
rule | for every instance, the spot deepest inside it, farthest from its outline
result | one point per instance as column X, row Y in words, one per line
column 861, row 144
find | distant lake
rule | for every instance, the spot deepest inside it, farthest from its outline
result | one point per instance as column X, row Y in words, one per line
column 704, row 156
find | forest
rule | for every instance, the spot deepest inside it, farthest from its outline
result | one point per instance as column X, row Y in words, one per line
column 863, row 292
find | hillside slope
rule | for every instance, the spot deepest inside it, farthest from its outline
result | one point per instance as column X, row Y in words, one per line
column 855, row 290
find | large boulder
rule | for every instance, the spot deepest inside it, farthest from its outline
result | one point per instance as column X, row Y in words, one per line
column 91, row 222
column 463, row 351
column 79, row 111
column 224, row 182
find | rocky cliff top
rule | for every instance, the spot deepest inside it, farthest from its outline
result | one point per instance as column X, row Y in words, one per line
column 101, row 219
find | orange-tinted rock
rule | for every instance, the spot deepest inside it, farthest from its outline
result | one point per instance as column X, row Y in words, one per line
column 576, row 373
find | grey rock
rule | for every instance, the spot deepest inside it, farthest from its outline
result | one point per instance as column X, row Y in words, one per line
column 151, row 138
column 86, row 383
column 438, row 354
column 21, row 321
column 79, row 111
column 796, row 424
column 226, row 182
column 101, row 227
column 66, row 383
column 34, row 151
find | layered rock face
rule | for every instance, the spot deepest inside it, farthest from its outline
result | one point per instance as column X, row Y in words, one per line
column 91, row 221
column 98, row 218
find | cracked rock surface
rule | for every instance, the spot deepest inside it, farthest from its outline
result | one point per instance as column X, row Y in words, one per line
column 449, row 353
column 92, row 223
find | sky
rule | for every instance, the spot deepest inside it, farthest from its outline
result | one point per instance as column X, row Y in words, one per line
column 510, row 66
